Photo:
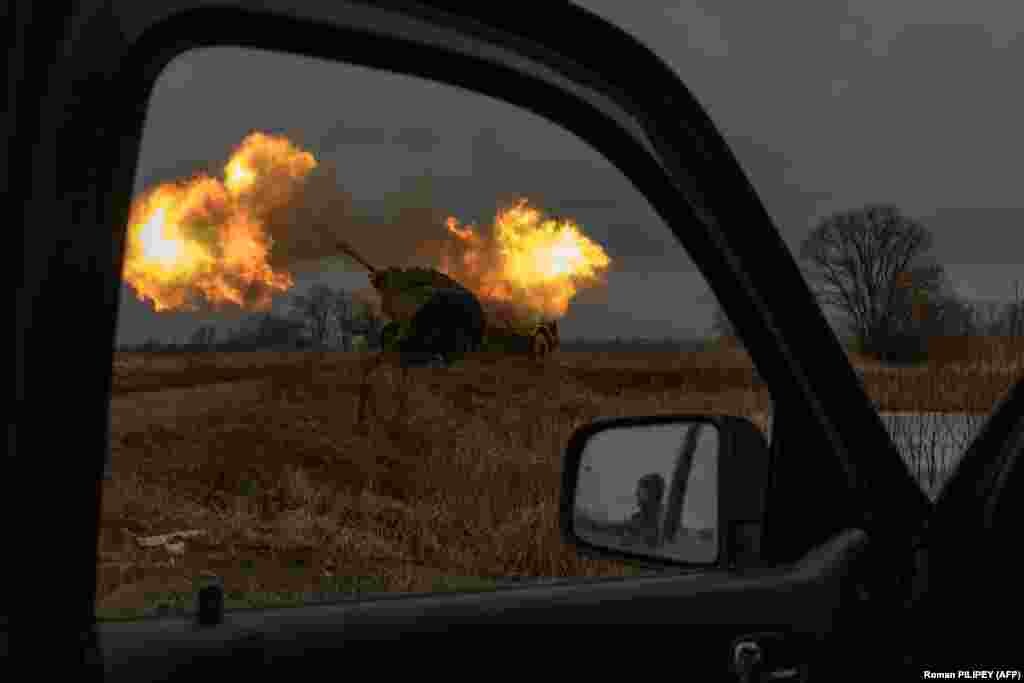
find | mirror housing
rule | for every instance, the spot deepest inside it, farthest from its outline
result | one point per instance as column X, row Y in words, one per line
column 741, row 469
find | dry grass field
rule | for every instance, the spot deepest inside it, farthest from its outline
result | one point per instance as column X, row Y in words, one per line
column 454, row 488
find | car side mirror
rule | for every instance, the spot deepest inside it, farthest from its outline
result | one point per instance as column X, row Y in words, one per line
column 671, row 490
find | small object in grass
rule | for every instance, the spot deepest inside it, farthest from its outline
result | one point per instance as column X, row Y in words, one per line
column 210, row 600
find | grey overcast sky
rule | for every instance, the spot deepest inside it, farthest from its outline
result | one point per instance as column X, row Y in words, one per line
column 828, row 106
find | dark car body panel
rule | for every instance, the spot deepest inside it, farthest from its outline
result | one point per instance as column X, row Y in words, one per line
column 706, row 611
column 79, row 78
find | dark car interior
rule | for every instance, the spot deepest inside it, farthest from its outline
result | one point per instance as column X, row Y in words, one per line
column 824, row 586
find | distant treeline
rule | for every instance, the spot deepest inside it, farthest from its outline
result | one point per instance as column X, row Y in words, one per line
column 273, row 333
column 266, row 332
column 324, row 318
column 327, row 318
column 636, row 344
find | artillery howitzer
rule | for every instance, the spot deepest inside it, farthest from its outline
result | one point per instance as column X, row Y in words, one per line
column 434, row 319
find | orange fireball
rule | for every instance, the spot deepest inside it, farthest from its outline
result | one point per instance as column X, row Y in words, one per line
column 535, row 263
column 202, row 241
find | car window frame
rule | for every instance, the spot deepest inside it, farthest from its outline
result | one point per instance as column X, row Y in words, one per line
column 124, row 67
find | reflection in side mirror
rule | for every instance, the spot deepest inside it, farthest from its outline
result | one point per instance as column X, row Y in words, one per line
column 651, row 489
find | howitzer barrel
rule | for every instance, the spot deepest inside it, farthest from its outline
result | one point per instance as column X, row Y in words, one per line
column 350, row 251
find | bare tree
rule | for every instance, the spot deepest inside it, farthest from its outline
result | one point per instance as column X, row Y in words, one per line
column 316, row 309
column 952, row 316
column 987, row 317
column 265, row 331
column 927, row 305
column 345, row 311
column 858, row 260
column 203, row 337
column 1000, row 319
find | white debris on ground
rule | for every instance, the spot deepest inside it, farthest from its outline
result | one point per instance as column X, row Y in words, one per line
column 173, row 542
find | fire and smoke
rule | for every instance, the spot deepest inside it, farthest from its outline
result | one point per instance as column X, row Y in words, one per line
column 237, row 241
column 527, row 263
column 203, row 240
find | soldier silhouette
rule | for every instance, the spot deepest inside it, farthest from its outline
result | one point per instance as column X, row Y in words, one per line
column 645, row 524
